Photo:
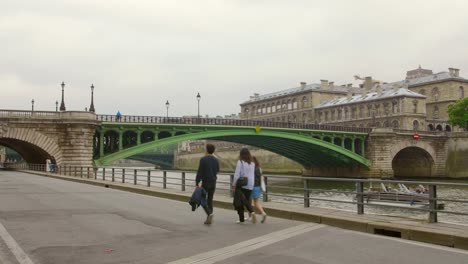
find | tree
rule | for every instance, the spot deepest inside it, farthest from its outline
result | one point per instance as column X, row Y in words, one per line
column 458, row 113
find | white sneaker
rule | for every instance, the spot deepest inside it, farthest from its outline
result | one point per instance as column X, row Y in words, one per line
column 254, row 218
column 239, row 222
column 209, row 219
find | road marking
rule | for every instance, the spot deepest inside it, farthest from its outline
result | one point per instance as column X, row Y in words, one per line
column 412, row 242
column 14, row 247
column 249, row 245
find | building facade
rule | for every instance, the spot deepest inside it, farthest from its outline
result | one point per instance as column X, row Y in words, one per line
column 420, row 101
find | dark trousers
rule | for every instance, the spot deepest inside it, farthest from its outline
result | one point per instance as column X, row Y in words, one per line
column 210, row 190
column 248, row 205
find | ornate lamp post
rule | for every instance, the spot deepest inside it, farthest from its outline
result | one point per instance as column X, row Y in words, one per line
column 32, row 105
column 198, row 99
column 91, row 107
column 167, row 108
column 56, row 106
column 62, row 105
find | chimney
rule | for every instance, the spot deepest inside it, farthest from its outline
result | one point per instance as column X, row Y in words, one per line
column 323, row 84
column 256, row 95
column 368, row 83
column 349, row 85
column 379, row 90
column 331, row 85
column 303, row 85
column 349, row 94
column 454, row 72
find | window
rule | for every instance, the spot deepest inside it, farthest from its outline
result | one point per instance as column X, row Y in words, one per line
column 415, row 106
column 461, row 92
column 294, row 104
column 361, row 111
column 332, row 115
column 273, row 108
column 304, row 118
column 435, row 94
column 284, row 106
column 394, row 106
column 340, row 113
column 268, row 109
column 435, row 112
column 304, row 102
column 369, row 110
column 395, row 124
column 289, row 105
column 346, row 112
column 415, row 125
column 326, row 116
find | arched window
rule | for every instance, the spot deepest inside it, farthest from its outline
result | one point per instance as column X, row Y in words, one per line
column 340, row 113
column 435, row 112
column 253, row 110
column 461, row 92
column 395, row 106
column 289, row 104
column 294, row 104
column 263, row 109
column 273, row 107
column 415, row 106
column 395, row 124
column 430, row 127
column 304, row 101
column 377, row 110
column 332, row 115
column 415, row 125
column 439, row 128
column 326, row 116
column 346, row 113
column 304, row 118
column 448, row 128
column 361, row 111
column 268, row 108
column 369, row 110
column 278, row 106
column 284, row 106
column 353, row 113
column 435, row 94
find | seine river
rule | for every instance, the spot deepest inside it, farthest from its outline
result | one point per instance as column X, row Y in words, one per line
column 279, row 188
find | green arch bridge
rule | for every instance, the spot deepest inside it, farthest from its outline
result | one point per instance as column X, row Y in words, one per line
column 308, row 144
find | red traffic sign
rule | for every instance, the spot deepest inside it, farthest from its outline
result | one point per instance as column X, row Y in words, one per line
column 416, row 136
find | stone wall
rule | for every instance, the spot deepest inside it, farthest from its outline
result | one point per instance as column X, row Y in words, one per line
column 270, row 162
column 457, row 157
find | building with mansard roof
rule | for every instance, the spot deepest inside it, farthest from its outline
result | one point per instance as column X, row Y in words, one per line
column 420, row 101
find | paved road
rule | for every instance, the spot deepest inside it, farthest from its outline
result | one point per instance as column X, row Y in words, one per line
column 47, row 221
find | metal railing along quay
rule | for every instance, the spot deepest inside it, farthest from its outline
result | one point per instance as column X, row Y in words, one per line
column 161, row 178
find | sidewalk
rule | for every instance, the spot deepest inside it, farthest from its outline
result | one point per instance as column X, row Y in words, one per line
column 450, row 235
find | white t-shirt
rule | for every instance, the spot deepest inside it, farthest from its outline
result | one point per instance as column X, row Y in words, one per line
column 248, row 170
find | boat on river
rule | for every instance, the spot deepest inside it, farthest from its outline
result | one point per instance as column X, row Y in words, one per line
column 401, row 196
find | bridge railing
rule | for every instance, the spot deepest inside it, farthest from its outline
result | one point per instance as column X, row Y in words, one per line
column 27, row 114
column 360, row 195
column 225, row 122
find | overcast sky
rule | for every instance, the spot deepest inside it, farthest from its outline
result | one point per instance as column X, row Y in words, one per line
column 139, row 54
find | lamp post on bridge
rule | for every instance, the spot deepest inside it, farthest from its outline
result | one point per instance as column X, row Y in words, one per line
column 56, row 106
column 62, row 105
column 32, row 105
column 198, row 99
column 91, row 107
column 167, row 108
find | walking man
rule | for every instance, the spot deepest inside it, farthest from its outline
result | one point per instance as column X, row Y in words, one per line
column 207, row 171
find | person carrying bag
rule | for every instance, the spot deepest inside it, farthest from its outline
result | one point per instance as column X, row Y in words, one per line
column 243, row 184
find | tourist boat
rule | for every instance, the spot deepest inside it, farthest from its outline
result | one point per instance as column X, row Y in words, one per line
column 401, row 196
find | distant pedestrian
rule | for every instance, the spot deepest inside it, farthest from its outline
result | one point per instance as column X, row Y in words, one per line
column 207, row 174
column 118, row 116
column 243, row 183
column 257, row 189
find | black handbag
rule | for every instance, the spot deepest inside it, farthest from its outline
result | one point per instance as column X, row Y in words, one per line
column 242, row 181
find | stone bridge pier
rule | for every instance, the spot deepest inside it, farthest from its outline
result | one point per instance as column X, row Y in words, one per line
column 399, row 154
column 66, row 138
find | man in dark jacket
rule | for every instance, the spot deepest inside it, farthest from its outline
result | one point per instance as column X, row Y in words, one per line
column 207, row 171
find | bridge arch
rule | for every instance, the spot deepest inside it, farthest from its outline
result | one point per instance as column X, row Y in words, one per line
column 33, row 146
column 421, row 163
column 303, row 149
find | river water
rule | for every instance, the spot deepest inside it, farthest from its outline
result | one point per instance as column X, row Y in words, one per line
column 290, row 191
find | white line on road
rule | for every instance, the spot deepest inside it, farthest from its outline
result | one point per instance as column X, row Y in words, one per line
column 14, row 247
column 249, row 245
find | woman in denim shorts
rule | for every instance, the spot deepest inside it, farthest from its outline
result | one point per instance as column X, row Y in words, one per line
column 257, row 190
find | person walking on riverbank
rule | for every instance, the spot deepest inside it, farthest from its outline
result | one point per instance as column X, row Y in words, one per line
column 243, row 184
column 208, row 169
column 257, row 189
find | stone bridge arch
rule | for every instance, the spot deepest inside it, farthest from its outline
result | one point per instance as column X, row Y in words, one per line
column 413, row 159
column 33, row 146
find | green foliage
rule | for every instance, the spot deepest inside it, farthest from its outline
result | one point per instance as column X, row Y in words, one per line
column 458, row 113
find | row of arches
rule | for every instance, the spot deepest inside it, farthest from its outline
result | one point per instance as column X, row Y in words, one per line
column 112, row 141
column 279, row 106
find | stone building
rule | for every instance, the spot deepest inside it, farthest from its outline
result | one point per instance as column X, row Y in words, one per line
column 294, row 104
column 420, row 101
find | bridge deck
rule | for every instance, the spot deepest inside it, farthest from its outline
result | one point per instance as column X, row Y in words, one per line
column 64, row 222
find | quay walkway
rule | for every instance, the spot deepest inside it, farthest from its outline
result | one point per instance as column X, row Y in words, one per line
column 452, row 235
column 45, row 220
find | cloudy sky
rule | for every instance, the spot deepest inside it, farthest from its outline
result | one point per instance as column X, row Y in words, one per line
column 140, row 53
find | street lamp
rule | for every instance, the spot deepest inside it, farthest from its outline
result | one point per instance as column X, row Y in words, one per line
column 32, row 105
column 62, row 105
column 198, row 99
column 56, row 106
column 91, row 107
column 167, row 108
